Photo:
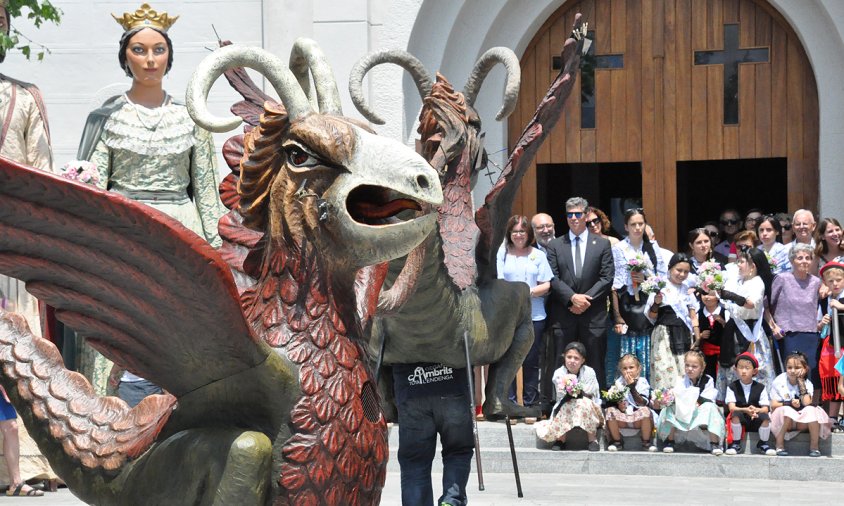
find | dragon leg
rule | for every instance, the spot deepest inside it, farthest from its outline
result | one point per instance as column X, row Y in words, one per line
column 216, row 466
column 502, row 373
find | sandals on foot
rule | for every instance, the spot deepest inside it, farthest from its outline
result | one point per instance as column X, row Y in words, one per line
column 18, row 491
column 615, row 446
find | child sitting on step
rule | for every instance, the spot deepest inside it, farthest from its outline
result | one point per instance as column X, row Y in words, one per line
column 694, row 411
column 791, row 401
column 748, row 405
column 632, row 412
column 578, row 399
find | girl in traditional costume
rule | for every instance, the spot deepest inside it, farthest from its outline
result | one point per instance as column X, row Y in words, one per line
column 793, row 412
column 632, row 412
column 147, row 148
column 694, row 412
column 674, row 312
column 628, row 304
column 578, row 400
column 744, row 296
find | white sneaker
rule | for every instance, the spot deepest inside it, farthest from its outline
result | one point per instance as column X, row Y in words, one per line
column 612, row 448
column 771, row 452
column 730, row 451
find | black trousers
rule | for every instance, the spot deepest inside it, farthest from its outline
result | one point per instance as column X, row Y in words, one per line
column 593, row 337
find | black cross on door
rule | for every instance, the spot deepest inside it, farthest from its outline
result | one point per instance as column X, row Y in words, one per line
column 730, row 57
column 589, row 63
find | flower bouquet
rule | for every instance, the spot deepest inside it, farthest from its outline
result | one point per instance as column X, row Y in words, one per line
column 664, row 397
column 570, row 385
column 82, row 171
column 614, row 395
column 772, row 262
column 639, row 263
column 710, row 276
column 653, row 284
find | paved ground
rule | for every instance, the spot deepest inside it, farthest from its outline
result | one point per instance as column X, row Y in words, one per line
column 571, row 490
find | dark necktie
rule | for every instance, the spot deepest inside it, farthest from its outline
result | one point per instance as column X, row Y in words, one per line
column 578, row 263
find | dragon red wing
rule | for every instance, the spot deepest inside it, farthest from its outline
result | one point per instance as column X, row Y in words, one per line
column 252, row 105
column 98, row 432
column 493, row 215
column 146, row 291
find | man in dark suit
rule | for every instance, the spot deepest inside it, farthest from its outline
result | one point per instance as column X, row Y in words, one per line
column 583, row 269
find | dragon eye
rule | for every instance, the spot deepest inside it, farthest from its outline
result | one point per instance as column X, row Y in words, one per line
column 298, row 157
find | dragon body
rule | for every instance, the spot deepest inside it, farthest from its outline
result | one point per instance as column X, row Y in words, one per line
column 270, row 399
column 449, row 282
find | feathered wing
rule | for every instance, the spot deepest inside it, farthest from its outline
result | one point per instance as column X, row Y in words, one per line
column 492, row 217
column 147, row 292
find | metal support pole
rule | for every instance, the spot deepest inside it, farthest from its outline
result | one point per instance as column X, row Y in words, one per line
column 470, row 376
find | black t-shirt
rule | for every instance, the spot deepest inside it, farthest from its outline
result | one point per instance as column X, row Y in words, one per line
column 422, row 379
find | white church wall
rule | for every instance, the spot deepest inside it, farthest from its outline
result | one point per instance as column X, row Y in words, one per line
column 82, row 69
column 819, row 24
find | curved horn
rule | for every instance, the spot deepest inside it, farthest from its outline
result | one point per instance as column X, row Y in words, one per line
column 219, row 61
column 306, row 59
column 485, row 63
column 398, row 57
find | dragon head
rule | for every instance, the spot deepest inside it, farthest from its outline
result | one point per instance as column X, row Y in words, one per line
column 318, row 179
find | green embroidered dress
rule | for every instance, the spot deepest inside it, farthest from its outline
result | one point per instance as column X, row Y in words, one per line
column 161, row 158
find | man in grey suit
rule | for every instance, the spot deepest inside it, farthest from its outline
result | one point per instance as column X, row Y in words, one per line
column 583, row 269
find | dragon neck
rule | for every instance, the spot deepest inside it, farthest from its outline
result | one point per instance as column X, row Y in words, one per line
column 307, row 312
column 296, row 290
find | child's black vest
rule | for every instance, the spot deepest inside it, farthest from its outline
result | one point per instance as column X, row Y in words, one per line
column 756, row 389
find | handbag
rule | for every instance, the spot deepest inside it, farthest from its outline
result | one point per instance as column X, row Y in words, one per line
column 633, row 312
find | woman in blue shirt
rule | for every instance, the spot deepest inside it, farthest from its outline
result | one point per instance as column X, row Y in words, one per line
column 518, row 261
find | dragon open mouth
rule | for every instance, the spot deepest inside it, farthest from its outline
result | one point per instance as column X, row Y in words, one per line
column 376, row 205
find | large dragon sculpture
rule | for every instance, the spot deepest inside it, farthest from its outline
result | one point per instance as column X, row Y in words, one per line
column 270, row 399
column 448, row 286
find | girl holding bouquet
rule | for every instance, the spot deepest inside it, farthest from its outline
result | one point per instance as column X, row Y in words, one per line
column 674, row 311
column 694, row 412
column 769, row 232
column 744, row 296
column 631, row 411
column 578, row 400
column 700, row 251
column 636, row 259
column 791, row 401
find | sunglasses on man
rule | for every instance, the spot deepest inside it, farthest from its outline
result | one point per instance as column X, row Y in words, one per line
column 574, row 214
column 730, row 222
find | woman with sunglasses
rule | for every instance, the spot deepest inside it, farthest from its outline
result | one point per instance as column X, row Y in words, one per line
column 599, row 224
column 769, row 232
column 785, row 223
column 518, row 261
column 630, row 321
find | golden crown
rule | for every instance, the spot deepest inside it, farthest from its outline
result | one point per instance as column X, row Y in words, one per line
column 146, row 16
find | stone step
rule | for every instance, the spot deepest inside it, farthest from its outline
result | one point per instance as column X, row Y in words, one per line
column 494, row 435
column 686, row 461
